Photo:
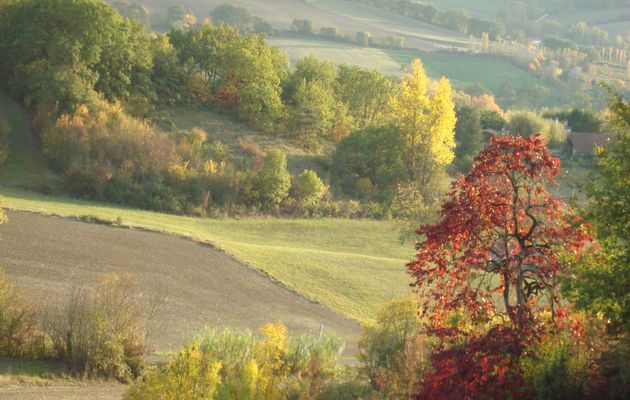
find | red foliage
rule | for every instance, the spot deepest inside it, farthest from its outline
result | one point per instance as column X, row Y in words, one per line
column 497, row 249
column 485, row 367
column 228, row 93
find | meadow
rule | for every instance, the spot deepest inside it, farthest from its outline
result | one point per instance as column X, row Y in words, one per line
column 461, row 69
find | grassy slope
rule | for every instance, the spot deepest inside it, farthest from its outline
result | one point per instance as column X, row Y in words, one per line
column 26, row 167
column 338, row 53
column 225, row 129
column 465, row 69
column 461, row 69
column 350, row 266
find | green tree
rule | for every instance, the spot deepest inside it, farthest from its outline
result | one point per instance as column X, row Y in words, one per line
column 308, row 188
column 310, row 69
column 468, row 137
column 313, row 112
column 272, row 183
column 239, row 17
column 234, row 70
column 604, row 286
column 526, row 123
column 371, row 156
column 48, row 57
column 179, row 18
column 302, row 26
column 365, row 92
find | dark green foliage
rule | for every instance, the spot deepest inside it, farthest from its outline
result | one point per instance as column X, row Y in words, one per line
column 468, row 137
column 604, row 285
column 238, row 17
column 65, row 51
column 272, row 183
column 578, row 120
column 492, row 120
column 369, row 162
column 302, row 26
column 556, row 43
column 366, row 93
column 235, row 71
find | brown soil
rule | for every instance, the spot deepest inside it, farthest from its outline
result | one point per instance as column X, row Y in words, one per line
column 199, row 286
column 62, row 393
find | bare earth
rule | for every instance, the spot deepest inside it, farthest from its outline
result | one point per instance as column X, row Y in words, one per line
column 62, row 393
column 199, row 286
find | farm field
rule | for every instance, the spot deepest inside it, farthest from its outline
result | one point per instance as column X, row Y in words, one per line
column 461, row 69
column 350, row 266
column 465, row 69
column 349, row 18
column 338, row 53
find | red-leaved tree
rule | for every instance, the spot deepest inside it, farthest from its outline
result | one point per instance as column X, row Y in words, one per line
column 494, row 257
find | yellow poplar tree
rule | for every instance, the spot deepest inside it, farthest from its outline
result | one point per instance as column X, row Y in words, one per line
column 426, row 123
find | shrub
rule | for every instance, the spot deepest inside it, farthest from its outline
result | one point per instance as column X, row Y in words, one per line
column 271, row 184
column 233, row 364
column 106, row 154
column 4, row 136
column 308, row 188
column 390, row 350
column 17, row 319
column 189, row 376
column 100, row 331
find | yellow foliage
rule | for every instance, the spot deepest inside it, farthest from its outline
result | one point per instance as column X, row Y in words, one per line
column 427, row 124
column 190, row 376
column 270, row 354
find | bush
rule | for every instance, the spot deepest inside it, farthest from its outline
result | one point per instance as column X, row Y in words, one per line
column 235, row 365
column 100, row 331
column 106, row 154
column 308, row 188
column 17, row 320
column 189, row 376
column 4, row 146
column 391, row 352
column 271, row 184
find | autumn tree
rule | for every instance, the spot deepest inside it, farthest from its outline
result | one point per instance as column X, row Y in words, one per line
column 485, row 271
column 501, row 237
column 426, row 123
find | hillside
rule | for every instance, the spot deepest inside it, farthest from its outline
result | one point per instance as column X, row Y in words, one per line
column 348, row 17
column 197, row 286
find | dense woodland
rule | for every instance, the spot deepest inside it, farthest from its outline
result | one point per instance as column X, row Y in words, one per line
column 526, row 297
column 107, row 79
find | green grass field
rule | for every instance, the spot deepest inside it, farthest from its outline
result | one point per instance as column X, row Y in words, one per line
column 26, row 167
column 338, row 53
column 466, row 69
column 461, row 69
column 350, row 266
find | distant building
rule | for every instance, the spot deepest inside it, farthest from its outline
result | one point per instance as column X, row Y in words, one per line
column 585, row 142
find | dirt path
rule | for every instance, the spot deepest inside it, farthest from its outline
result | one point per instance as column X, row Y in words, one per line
column 62, row 393
column 199, row 285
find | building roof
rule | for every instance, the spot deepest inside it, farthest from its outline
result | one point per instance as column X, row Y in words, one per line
column 585, row 142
